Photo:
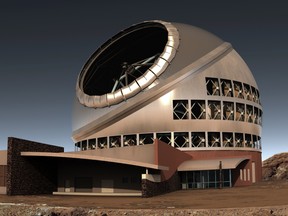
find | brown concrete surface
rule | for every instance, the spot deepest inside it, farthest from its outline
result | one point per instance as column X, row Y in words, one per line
column 258, row 195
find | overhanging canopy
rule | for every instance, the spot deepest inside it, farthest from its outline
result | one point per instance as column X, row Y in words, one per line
column 227, row 163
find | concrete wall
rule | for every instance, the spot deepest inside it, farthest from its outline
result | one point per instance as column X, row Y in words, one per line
column 30, row 175
column 122, row 178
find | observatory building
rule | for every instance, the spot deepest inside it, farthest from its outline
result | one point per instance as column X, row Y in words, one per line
column 160, row 107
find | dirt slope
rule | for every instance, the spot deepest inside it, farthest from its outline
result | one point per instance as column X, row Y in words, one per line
column 275, row 167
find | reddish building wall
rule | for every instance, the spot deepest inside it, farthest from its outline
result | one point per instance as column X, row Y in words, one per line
column 27, row 176
column 166, row 155
column 244, row 167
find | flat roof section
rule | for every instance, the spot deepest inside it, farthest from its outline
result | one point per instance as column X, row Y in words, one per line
column 227, row 163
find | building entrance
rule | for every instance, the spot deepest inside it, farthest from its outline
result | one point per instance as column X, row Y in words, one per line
column 205, row 179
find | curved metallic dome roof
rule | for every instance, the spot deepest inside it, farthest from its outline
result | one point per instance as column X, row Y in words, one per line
column 140, row 57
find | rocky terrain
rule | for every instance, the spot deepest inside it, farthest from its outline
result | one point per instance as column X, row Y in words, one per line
column 35, row 210
column 276, row 167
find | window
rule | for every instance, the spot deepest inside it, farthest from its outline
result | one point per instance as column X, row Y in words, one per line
column 247, row 92
column 84, row 145
column 164, row 137
column 226, row 87
column 248, row 140
column 102, row 142
column 238, row 90
column 227, row 139
column 145, row 139
column 91, row 143
column 255, row 141
column 249, row 113
column 214, row 139
column 258, row 96
column 254, row 95
column 260, row 116
column 129, row 140
column 228, row 111
column 180, row 109
column 240, row 112
column 239, row 141
column 198, row 139
column 256, row 115
column 214, row 109
column 181, row 140
column 114, row 141
column 212, row 86
column 198, row 109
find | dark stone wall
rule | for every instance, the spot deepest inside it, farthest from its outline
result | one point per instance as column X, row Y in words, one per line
column 150, row 189
column 30, row 175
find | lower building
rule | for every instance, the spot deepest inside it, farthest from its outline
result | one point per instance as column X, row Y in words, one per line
column 36, row 168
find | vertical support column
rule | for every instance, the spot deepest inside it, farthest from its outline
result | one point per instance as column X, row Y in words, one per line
column 253, row 172
column 137, row 139
column 121, row 141
column 206, row 139
column 172, row 139
column 190, row 139
column 108, row 142
column 221, row 139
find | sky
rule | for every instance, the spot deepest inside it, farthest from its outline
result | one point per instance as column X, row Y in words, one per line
column 44, row 44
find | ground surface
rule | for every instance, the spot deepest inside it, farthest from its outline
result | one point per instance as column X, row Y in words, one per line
column 263, row 194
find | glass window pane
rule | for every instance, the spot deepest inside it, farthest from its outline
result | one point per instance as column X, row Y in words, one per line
column 181, row 140
column 226, row 87
column 180, row 109
column 145, row 139
column 198, row 109
column 213, row 87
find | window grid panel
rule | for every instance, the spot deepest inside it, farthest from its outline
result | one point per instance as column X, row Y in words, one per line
column 212, row 86
column 248, row 141
column 226, row 87
column 214, row 111
column 240, row 112
column 247, row 92
column 239, row 141
column 227, row 139
column 102, row 142
column 181, row 140
column 198, row 109
column 145, row 139
column 228, row 111
column 214, row 139
column 198, row 139
column 164, row 137
column 249, row 113
column 129, row 140
column 180, row 109
column 238, row 90
column 114, row 141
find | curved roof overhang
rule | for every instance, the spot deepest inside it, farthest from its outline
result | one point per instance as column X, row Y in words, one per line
column 227, row 163
column 93, row 158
